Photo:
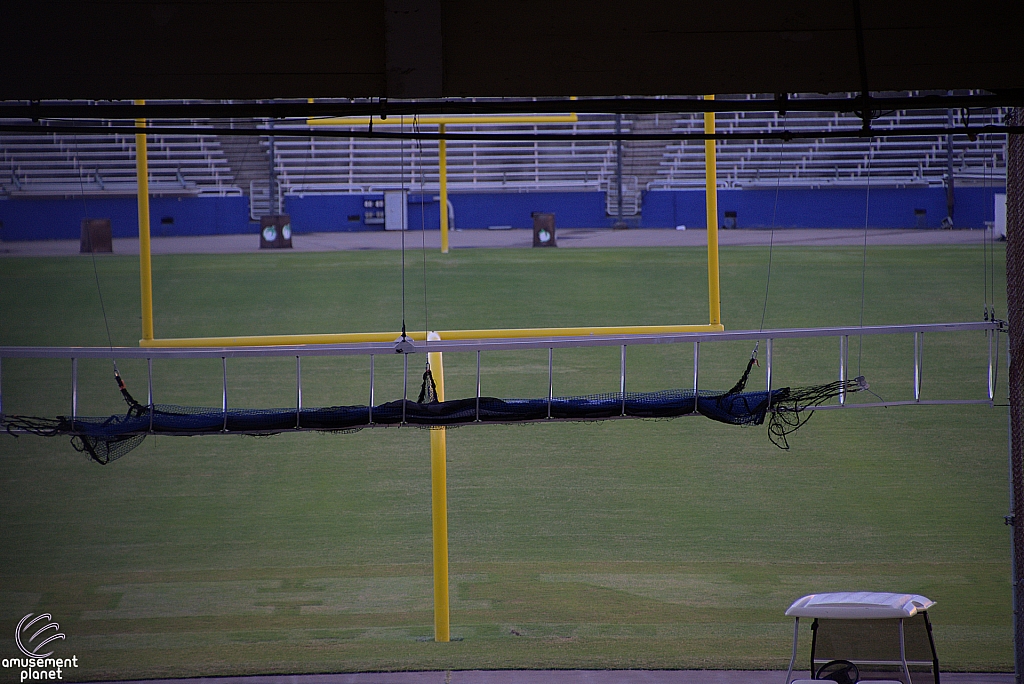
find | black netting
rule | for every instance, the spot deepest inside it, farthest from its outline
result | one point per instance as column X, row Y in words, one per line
column 108, row 438
column 106, row 449
column 796, row 406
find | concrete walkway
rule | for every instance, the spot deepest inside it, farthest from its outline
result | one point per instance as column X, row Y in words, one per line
column 476, row 239
column 552, row 677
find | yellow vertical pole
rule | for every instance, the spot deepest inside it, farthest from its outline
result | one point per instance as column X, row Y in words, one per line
column 442, row 160
column 145, row 262
column 711, row 192
column 439, row 507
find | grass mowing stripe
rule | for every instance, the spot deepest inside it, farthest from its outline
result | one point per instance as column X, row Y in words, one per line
column 624, row 544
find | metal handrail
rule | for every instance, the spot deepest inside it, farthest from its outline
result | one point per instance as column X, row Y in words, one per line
column 407, row 346
column 372, row 348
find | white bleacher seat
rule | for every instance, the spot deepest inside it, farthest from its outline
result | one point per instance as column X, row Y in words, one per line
column 66, row 165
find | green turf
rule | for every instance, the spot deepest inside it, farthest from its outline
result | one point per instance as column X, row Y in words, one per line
column 622, row 544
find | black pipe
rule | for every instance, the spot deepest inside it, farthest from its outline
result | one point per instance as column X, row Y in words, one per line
column 694, row 105
column 927, row 131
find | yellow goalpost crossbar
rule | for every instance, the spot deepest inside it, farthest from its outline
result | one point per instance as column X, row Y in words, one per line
column 438, row 445
column 485, row 334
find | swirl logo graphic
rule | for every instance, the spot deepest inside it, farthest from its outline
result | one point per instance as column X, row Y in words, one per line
column 28, row 644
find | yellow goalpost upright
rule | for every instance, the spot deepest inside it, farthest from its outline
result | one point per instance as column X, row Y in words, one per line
column 438, row 444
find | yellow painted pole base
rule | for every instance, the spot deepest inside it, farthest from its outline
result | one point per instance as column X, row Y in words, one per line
column 439, row 507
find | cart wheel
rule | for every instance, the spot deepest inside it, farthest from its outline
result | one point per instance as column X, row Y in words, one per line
column 839, row 671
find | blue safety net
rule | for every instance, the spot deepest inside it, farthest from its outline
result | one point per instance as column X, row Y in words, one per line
column 108, row 438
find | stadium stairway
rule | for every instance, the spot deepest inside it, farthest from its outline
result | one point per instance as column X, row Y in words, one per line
column 246, row 157
column 641, row 160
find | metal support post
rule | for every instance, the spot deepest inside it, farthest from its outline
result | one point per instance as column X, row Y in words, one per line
column 74, row 391
column 918, row 359
column 995, row 366
column 439, row 507
column 990, row 334
column 551, row 379
column 371, row 390
column 1010, row 520
column 903, row 651
column 1015, row 380
column 224, row 395
column 478, row 385
column 796, row 641
column 272, row 198
column 696, row 372
column 619, row 223
column 442, row 160
column 950, row 192
column 844, row 356
column 622, row 379
column 149, row 391
column 768, row 369
column 405, row 384
column 298, row 392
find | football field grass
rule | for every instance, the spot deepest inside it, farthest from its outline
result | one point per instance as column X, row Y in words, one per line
column 623, row 544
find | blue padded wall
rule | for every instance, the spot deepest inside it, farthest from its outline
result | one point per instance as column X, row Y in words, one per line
column 61, row 219
column 53, row 219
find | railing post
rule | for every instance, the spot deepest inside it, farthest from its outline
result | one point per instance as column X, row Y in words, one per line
column 918, row 353
column 224, row 395
column 298, row 392
column 478, row 385
column 995, row 365
column 622, row 379
column 696, row 372
column 370, row 421
column 551, row 380
column 405, row 384
column 991, row 378
column 149, row 390
column 74, row 391
column 844, row 350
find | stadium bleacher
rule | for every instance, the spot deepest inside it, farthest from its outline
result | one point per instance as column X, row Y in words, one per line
column 891, row 161
column 332, row 165
column 64, row 165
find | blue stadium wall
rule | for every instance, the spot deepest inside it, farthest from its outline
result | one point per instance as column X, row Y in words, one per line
column 46, row 219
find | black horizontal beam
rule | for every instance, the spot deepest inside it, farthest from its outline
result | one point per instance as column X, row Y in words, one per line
column 319, row 132
column 381, row 107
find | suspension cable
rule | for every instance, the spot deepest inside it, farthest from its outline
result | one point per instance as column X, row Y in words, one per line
column 423, row 234
column 864, row 257
column 771, row 239
column 96, row 273
column 771, row 247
